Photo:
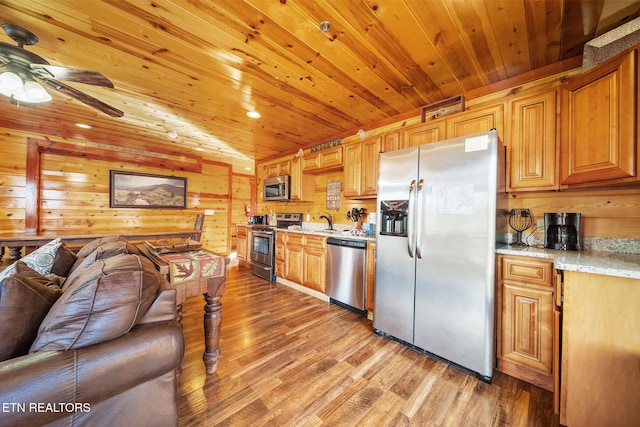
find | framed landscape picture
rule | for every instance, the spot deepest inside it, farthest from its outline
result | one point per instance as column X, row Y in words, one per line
column 139, row 190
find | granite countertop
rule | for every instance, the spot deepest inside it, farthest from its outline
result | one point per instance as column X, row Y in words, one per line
column 606, row 263
column 338, row 234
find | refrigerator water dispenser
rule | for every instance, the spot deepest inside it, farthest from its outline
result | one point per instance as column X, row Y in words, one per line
column 394, row 217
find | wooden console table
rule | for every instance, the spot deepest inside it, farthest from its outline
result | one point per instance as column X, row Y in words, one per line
column 193, row 273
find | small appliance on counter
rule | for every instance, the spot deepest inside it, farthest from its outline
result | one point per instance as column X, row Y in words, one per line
column 259, row 219
column 562, row 231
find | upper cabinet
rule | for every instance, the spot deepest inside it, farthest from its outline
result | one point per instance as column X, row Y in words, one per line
column 424, row 133
column 532, row 158
column 361, row 168
column 277, row 168
column 599, row 144
column 323, row 161
column 476, row 121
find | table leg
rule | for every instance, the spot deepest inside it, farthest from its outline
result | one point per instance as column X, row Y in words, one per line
column 15, row 254
column 212, row 321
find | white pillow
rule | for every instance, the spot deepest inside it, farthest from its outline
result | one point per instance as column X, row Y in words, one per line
column 40, row 260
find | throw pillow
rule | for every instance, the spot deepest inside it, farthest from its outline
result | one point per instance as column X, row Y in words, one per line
column 64, row 260
column 101, row 304
column 25, row 300
column 41, row 260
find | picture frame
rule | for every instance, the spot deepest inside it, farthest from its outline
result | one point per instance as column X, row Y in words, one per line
column 142, row 190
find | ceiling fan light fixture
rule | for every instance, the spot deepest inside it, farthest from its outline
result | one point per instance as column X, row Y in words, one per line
column 35, row 93
column 10, row 84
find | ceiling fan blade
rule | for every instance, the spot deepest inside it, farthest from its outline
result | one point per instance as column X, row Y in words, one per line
column 69, row 74
column 81, row 96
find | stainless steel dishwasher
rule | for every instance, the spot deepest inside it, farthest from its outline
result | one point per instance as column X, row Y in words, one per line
column 346, row 271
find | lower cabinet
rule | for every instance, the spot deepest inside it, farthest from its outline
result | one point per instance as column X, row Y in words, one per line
column 527, row 325
column 243, row 234
column 600, row 351
column 304, row 259
column 314, row 262
column 371, row 275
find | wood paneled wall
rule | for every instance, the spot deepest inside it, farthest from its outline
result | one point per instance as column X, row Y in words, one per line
column 70, row 189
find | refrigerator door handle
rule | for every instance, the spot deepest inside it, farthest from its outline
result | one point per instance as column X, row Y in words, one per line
column 419, row 226
column 410, row 219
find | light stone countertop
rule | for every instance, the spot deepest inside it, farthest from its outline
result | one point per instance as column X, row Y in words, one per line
column 605, row 263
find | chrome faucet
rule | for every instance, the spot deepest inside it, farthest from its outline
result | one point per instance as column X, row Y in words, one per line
column 329, row 219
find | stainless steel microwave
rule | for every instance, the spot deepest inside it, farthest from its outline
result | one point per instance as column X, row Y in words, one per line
column 277, row 188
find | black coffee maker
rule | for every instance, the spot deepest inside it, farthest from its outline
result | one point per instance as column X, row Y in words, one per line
column 562, row 231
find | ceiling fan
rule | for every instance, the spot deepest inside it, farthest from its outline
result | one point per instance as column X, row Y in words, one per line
column 26, row 73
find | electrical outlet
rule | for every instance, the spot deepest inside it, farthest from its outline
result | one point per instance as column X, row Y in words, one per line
column 540, row 223
column 208, row 212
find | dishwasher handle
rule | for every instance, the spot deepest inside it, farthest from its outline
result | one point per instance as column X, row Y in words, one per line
column 351, row 243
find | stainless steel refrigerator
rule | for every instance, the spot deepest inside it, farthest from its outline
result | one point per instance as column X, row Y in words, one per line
column 439, row 210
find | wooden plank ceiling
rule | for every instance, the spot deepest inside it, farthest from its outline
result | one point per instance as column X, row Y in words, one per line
column 195, row 67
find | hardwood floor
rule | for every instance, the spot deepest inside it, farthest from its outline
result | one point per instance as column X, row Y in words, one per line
column 289, row 359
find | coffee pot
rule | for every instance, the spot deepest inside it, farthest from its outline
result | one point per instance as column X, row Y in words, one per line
column 562, row 231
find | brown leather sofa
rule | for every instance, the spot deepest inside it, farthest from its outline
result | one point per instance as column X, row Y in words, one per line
column 107, row 345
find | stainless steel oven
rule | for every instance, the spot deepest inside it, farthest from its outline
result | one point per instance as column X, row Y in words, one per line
column 262, row 252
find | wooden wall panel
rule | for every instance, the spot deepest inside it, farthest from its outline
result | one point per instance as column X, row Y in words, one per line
column 74, row 193
column 604, row 212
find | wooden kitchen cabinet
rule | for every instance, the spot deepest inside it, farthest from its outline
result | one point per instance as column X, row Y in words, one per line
column 302, row 185
column 476, row 121
column 600, row 351
column 361, row 169
column 303, row 260
column 323, row 160
column 424, row 133
column 526, row 342
column 371, row 275
column 293, row 254
column 532, row 149
column 314, row 262
column 243, row 236
column 278, row 168
column 599, row 144
column 280, row 253
column 390, row 141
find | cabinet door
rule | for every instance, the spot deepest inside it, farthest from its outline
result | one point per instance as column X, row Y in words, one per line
column 476, row 121
column 352, row 170
column 242, row 243
column 371, row 274
column 369, row 176
column 423, row 133
column 302, row 185
column 293, row 256
column 527, row 327
column 390, row 141
column 531, row 163
column 599, row 115
column 314, row 262
column 280, row 253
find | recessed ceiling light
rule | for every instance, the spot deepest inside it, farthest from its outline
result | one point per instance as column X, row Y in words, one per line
column 83, row 126
column 199, row 149
column 253, row 114
column 171, row 134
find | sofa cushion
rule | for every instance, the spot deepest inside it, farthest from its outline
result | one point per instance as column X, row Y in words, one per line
column 25, row 299
column 41, row 260
column 94, row 244
column 64, row 260
column 105, row 250
column 102, row 303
